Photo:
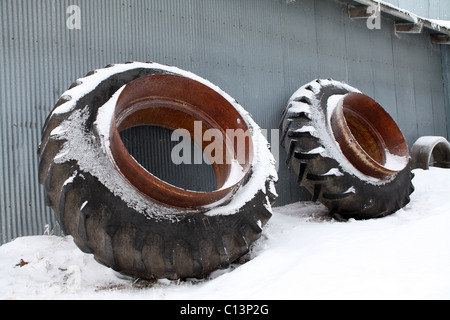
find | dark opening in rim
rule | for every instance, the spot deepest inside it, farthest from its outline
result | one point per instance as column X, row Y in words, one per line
column 154, row 147
column 177, row 102
column 368, row 136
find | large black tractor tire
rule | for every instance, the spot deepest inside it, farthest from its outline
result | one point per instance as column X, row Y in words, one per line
column 113, row 219
column 315, row 151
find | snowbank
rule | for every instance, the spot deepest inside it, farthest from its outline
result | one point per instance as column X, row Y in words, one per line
column 302, row 255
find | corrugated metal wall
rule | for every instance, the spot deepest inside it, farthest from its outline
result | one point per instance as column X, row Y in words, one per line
column 446, row 76
column 259, row 51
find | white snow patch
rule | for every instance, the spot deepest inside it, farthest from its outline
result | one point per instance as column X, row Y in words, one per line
column 436, row 24
column 83, row 205
column 350, row 190
column 299, row 107
column 395, row 162
column 70, row 179
column 303, row 254
column 334, row 172
column 441, row 23
column 310, row 129
column 318, row 150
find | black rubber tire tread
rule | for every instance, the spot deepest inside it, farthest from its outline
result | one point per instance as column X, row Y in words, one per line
column 191, row 246
column 344, row 194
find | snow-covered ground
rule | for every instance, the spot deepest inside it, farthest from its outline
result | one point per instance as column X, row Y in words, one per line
column 302, row 255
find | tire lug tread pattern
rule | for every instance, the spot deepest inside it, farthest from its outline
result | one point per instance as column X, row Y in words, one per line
column 343, row 193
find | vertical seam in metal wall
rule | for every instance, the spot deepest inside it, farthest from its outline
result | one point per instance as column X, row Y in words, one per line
column 3, row 216
column 446, row 78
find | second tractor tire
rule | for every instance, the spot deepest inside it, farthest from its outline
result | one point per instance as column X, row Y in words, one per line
column 340, row 154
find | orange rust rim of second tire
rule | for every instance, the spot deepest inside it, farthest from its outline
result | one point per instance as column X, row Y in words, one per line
column 177, row 102
column 365, row 133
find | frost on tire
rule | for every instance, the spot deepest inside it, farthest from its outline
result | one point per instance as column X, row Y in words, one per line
column 127, row 218
column 346, row 150
column 430, row 150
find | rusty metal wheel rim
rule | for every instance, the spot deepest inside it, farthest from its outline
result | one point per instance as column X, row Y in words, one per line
column 175, row 102
column 366, row 133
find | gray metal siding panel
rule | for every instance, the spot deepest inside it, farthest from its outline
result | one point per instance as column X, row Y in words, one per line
column 439, row 88
column 331, row 40
column 404, row 87
column 382, row 62
column 446, row 76
column 259, row 51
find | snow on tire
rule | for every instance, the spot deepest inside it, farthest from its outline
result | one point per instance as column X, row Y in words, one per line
column 432, row 150
column 346, row 150
column 129, row 219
